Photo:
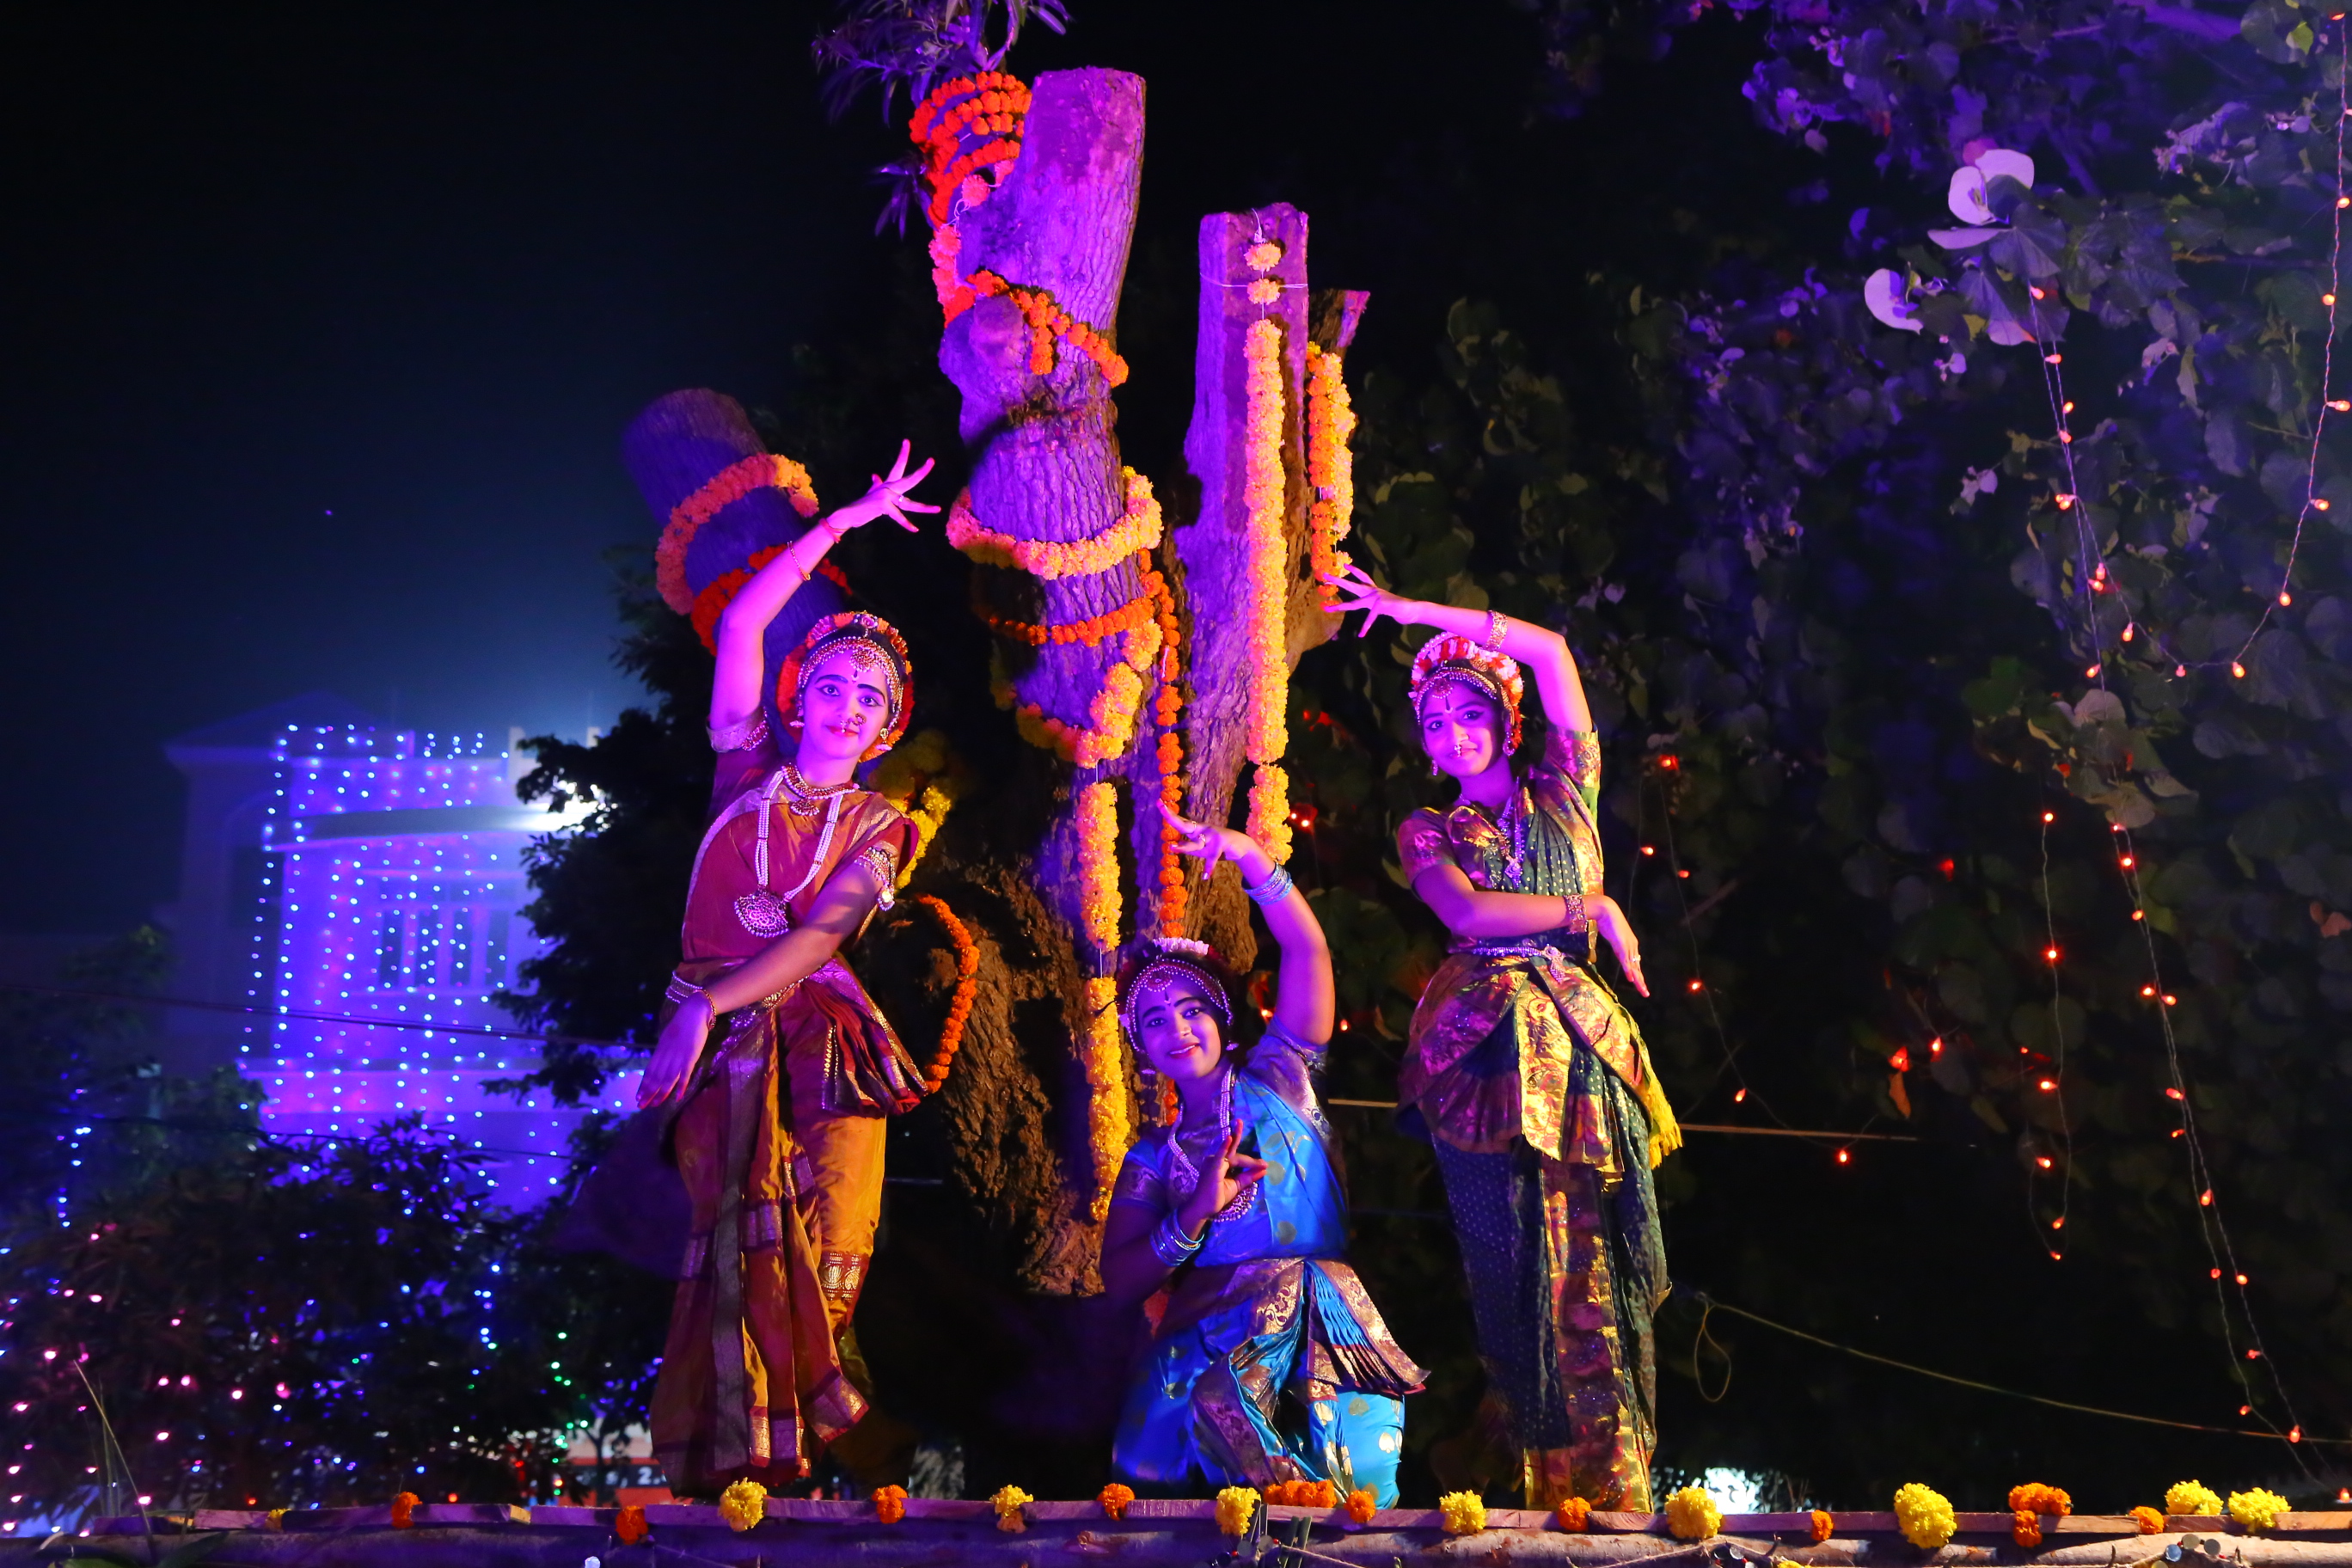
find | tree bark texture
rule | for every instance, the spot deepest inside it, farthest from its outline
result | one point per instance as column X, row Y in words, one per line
column 1215, row 548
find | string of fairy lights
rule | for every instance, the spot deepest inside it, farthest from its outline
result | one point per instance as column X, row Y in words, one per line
column 2227, row 1275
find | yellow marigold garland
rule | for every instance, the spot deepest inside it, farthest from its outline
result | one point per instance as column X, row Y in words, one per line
column 1109, row 1127
column 731, row 483
column 2257, row 1510
column 2194, row 1499
column 1266, row 735
column 1008, row 1501
column 1463, row 1513
column 1236, row 1506
column 743, row 1504
column 277, row 1519
column 1139, row 528
column 1331, row 465
column 1109, row 728
column 1692, row 1514
column 1099, row 900
column 924, row 778
column 1925, row 1515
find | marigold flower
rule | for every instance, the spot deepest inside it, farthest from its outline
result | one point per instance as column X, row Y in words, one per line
column 1113, row 1499
column 2258, row 1511
column 2025, row 1527
column 2150, row 1520
column 1361, row 1505
column 1263, row 256
column 1925, row 1515
column 629, row 1524
column 277, row 1519
column 2035, row 1497
column 2194, row 1499
column 404, row 1510
column 743, row 1504
column 1008, row 1502
column 1824, row 1523
column 1573, row 1514
column 1692, row 1514
column 1236, row 1506
column 1264, row 291
column 889, row 1504
column 1464, row 1514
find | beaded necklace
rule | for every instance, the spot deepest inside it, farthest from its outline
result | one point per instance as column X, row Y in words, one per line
column 1188, row 1175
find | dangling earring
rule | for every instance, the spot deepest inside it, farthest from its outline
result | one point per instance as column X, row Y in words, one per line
column 1434, row 771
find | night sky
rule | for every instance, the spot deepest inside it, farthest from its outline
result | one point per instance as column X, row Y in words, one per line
column 322, row 323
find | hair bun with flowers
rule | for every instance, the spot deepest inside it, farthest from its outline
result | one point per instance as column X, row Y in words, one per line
column 727, row 506
column 1454, row 659
column 870, row 638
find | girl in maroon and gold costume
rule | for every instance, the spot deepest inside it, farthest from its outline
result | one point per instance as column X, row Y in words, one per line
column 1522, row 1067
column 780, row 1067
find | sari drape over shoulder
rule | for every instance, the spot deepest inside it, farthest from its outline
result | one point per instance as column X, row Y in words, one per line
column 1266, row 1307
column 1534, row 1086
column 779, row 1138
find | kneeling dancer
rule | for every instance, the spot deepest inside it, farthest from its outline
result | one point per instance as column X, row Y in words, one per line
column 1238, row 1209
column 1522, row 1067
column 782, row 1066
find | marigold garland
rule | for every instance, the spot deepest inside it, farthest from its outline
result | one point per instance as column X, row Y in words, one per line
column 2037, row 1499
column 629, row 1524
column 2193, row 1498
column 404, row 1510
column 2150, row 1520
column 1361, row 1505
column 1137, row 528
column 743, row 1504
column 1079, row 634
column 1303, row 1494
column 2025, row 1527
column 1109, row 728
column 924, row 778
column 2258, row 1511
column 1463, row 1513
column 1264, row 256
column 1167, row 708
column 1823, row 1524
column 729, row 484
column 967, row 954
column 1266, row 735
column 1050, row 323
column 1331, row 465
column 720, row 591
column 1692, row 1514
column 276, row 1516
column 1008, row 1501
column 1573, row 1514
column 1236, row 1506
column 889, row 1504
column 1114, row 1498
column 1926, row 1516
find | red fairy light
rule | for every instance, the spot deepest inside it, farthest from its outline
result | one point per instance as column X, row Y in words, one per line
column 2285, row 598
column 2342, row 406
column 2237, row 669
column 2048, row 1086
column 2252, row 1354
column 2128, row 630
column 2217, row 1274
column 2053, row 358
column 2294, row 1433
column 2241, row 1279
column 2043, row 1160
column 1935, row 1047
column 2092, row 673
column 1669, row 763
column 2049, row 816
column 2178, row 670
column 1696, row 987
column 2127, row 862
column 1845, row 1157
column 1737, row 1095
column 2066, row 501
column 2139, row 914
column 2205, row 1199
column 1649, row 849
column 2174, row 1094
column 2050, row 954
column 2058, row 1224
column 1901, row 1060
column 2034, row 289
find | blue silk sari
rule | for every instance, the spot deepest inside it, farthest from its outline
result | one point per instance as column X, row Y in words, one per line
column 1265, row 1308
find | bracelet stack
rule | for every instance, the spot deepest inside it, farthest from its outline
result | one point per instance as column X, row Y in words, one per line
column 681, row 990
column 1576, row 920
column 1171, row 1245
column 1495, row 622
column 1274, row 889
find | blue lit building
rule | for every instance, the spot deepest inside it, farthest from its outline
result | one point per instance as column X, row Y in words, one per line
column 365, row 885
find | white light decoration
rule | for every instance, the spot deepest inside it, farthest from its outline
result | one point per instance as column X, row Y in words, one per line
column 382, row 940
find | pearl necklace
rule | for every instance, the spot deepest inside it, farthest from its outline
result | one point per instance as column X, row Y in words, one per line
column 1188, row 1175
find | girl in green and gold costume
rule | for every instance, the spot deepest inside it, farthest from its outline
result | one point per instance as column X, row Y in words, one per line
column 1522, row 1067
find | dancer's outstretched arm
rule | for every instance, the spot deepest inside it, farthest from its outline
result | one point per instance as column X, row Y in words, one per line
column 735, row 688
column 1557, row 684
column 1303, row 992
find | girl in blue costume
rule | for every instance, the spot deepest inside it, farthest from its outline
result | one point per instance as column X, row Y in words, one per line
column 1237, row 1212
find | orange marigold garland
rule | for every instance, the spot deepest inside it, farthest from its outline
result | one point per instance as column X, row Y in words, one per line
column 720, row 591
column 629, row 1523
column 2025, row 1527
column 2033, row 1497
column 1081, row 634
column 731, row 483
column 1114, row 1498
column 1139, row 528
column 967, row 986
column 1361, row 1505
column 1822, row 1525
column 1166, row 708
column 1331, row 465
column 1573, row 1514
column 404, row 1510
column 1265, row 732
column 2150, row 1520
column 889, row 1504
column 1049, row 324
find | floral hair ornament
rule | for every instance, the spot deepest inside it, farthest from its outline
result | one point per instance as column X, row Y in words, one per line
column 874, row 646
column 1456, row 660
column 1173, row 959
